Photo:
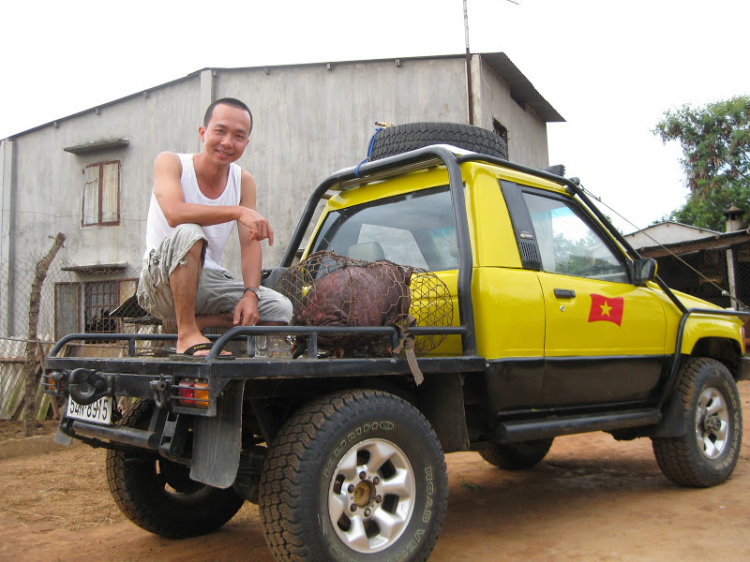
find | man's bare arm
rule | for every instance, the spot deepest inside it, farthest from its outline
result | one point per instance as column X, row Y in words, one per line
column 246, row 311
column 171, row 199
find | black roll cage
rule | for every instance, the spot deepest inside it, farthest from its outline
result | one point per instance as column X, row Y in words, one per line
column 396, row 165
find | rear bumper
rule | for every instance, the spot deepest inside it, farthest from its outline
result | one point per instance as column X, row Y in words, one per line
column 744, row 369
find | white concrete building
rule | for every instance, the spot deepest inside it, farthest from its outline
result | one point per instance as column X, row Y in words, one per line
column 88, row 175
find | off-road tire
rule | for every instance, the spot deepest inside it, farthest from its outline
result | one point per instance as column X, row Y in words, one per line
column 518, row 456
column 398, row 139
column 365, row 448
column 157, row 494
column 707, row 452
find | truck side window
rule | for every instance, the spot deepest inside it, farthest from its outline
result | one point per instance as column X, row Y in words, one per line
column 413, row 229
column 569, row 245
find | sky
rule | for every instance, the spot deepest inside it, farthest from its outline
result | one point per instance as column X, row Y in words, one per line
column 611, row 68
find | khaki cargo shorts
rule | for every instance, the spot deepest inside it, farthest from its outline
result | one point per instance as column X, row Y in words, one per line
column 218, row 292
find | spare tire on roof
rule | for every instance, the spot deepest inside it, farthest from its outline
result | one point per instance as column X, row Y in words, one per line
column 397, row 139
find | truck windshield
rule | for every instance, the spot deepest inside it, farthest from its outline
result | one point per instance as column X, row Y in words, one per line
column 415, row 229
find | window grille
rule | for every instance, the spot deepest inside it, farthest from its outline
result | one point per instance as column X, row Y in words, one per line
column 89, row 305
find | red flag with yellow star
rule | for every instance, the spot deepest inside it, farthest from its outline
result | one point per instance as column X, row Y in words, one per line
column 606, row 308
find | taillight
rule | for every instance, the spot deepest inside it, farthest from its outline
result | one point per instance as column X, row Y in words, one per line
column 53, row 382
column 193, row 393
column 742, row 333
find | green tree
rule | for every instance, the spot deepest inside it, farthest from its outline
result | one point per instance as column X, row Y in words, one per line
column 715, row 142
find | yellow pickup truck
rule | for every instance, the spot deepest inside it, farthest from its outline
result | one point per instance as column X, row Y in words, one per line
column 560, row 327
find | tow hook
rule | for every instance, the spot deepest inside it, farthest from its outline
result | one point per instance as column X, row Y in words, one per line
column 86, row 387
column 160, row 390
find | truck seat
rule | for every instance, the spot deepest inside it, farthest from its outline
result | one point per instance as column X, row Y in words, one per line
column 367, row 251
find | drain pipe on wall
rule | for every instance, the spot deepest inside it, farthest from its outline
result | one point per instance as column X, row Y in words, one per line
column 468, row 67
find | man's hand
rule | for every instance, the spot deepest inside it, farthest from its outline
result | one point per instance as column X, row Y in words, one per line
column 257, row 225
column 246, row 311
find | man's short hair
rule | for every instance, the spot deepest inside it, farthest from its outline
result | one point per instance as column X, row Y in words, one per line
column 233, row 102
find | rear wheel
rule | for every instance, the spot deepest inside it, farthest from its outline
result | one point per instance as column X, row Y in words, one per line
column 355, row 475
column 518, row 456
column 411, row 136
column 158, row 495
column 707, row 452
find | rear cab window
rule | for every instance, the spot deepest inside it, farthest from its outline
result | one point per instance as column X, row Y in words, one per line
column 415, row 229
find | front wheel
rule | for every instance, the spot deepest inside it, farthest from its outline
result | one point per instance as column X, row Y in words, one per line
column 708, row 451
column 158, row 495
column 356, row 476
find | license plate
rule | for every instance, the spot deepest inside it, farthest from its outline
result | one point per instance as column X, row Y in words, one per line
column 98, row 412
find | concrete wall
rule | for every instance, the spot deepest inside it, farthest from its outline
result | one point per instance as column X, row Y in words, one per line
column 48, row 190
column 309, row 121
column 50, row 180
column 7, row 216
column 527, row 133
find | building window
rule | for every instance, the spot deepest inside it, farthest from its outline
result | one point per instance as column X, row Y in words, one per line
column 502, row 132
column 87, row 307
column 101, row 194
column 99, row 299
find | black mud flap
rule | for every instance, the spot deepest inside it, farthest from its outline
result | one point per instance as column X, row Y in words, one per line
column 217, row 441
column 442, row 398
column 62, row 438
column 673, row 421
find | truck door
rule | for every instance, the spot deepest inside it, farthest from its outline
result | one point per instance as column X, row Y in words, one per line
column 604, row 336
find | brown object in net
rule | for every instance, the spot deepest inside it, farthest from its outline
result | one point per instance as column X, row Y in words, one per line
column 328, row 289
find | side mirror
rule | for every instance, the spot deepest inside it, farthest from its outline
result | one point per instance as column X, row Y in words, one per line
column 643, row 270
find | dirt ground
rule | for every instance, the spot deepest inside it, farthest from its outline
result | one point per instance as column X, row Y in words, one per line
column 591, row 499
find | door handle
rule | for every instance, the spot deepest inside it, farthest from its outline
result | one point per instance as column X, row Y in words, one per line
column 565, row 294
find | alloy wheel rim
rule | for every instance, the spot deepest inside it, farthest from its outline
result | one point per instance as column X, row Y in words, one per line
column 372, row 496
column 711, row 423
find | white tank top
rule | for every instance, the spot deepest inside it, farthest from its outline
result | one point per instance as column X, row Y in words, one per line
column 217, row 235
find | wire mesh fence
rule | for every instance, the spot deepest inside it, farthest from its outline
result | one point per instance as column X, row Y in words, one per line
column 68, row 303
column 43, row 299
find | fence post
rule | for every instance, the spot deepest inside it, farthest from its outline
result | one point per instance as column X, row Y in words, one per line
column 31, row 366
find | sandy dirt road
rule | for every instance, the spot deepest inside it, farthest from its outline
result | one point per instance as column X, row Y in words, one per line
column 591, row 499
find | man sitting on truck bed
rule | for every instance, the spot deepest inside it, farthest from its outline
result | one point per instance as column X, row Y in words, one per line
column 196, row 200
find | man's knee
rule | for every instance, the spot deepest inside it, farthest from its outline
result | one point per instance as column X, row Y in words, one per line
column 187, row 242
column 189, row 235
column 274, row 307
column 196, row 252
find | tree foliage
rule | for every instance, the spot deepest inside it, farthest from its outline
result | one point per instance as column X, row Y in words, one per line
column 715, row 141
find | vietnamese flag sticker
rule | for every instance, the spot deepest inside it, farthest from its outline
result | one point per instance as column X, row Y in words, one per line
column 606, row 309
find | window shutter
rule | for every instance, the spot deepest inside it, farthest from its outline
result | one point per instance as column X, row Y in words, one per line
column 111, row 192
column 67, row 309
column 91, row 194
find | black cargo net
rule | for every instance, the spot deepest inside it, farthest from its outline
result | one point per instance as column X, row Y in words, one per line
column 328, row 289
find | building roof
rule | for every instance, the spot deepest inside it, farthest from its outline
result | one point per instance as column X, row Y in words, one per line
column 708, row 231
column 521, row 88
column 719, row 241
